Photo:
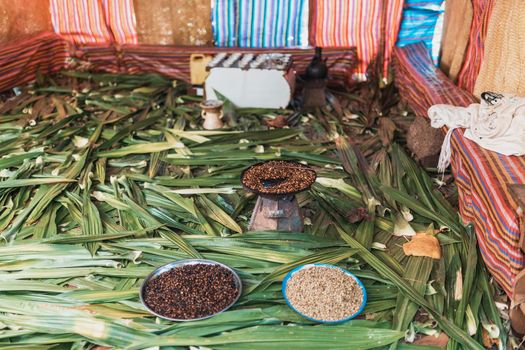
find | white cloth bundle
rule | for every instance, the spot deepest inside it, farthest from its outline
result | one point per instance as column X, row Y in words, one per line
column 497, row 124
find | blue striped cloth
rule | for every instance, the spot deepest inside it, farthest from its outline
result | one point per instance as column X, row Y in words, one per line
column 422, row 21
column 260, row 23
column 424, row 4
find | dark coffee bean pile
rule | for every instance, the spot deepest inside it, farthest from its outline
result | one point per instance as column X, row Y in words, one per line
column 191, row 291
column 278, row 177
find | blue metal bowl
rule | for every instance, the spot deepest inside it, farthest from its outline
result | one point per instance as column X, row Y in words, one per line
column 291, row 273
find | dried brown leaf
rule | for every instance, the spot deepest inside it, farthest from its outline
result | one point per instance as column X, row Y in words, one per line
column 386, row 130
column 440, row 341
column 357, row 215
column 277, row 122
column 488, row 342
column 423, row 244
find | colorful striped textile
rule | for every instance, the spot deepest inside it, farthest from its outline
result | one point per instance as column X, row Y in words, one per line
column 392, row 25
column 100, row 58
column 482, row 176
column 419, row 23
column 80, row 21
column 260, row 23
column 23, row 60
column 424, row 4
column 94, row 21
column 120, row 18
column 356, row 23
column 482, row 10
column 173, row 61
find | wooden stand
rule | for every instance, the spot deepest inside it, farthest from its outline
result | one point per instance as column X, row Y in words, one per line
column 314, row 93
column 277, row 214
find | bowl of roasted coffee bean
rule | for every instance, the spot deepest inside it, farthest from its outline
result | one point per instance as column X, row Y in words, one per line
column 324, row 293
column 278, row 178
column 190, row 290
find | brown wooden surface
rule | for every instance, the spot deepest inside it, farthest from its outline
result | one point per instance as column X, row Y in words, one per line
column 174, row 22
column 21, row 19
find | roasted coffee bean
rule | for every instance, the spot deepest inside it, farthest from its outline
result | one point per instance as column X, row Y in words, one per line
column 278, row 177
column 191, row 291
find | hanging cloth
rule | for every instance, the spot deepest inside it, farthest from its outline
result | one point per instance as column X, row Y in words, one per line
column 497, row 124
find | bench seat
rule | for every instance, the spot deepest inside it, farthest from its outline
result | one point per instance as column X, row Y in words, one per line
column 482, row 176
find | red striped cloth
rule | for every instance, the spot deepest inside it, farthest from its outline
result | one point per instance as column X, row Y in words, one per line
column 94, row 21
column 79, row 21
column 174, row 62
column 120, row 18
column 98, row 58
column 392, row 25
column 482, row 176
column 468, row 74
column 21, row 61
column 354, row 23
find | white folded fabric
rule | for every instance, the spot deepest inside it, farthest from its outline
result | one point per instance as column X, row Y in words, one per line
column 497, row 124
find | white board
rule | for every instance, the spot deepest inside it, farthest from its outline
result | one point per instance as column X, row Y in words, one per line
column 252, row 88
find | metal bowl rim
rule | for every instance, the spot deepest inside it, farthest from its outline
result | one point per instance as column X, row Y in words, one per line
column 178, row 263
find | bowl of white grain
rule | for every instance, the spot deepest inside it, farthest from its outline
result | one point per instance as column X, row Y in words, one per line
column 324, row 293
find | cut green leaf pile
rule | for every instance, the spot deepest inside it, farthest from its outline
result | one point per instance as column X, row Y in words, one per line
column 105, row 177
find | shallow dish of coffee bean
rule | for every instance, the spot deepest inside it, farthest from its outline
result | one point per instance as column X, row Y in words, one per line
column 277, row 178
column 190, row 290
column 324, row 293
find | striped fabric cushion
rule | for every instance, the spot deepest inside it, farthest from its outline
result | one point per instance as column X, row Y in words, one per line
column 347, row 23
column 482, row 10
column 174, row 62
column 99, row 58
column 20, row 62
column 94, row 21
column 482, row 176
column 260, row 23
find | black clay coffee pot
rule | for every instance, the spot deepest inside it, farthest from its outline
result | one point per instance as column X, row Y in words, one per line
column 317, row 68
